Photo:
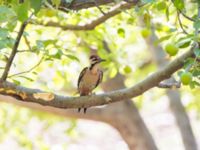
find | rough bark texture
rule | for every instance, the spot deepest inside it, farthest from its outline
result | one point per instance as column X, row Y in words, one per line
column 176, row 105
column 83, row 4
column 126, row 119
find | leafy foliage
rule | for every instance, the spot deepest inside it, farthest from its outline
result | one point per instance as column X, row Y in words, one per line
column 62, row 54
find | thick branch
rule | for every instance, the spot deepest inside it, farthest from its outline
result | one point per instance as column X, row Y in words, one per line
column 94, row 114
column 89, row 26
column 14, row 50
column 81, row 4
column 28, row 95
column 13, row 53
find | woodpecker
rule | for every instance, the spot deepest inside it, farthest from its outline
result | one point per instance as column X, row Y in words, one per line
column 90, row 77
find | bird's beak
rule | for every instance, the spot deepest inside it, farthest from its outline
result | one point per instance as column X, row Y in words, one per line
column 102, row 60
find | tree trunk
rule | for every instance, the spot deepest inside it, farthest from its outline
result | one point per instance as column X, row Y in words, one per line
column 126, row 119
column 176, row 106
column 182, row 120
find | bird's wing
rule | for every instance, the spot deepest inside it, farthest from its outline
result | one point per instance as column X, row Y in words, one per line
column 81, row 75
column 100, row 78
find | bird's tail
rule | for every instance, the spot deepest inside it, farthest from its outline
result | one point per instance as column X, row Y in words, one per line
column 84, row 109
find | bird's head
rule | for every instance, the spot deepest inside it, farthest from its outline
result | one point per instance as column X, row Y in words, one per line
column 94, row 59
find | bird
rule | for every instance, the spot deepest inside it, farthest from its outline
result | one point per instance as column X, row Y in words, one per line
column 90, row 77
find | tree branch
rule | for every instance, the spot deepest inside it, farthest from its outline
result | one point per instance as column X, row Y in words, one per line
column 89, row 26
column 83, row 4
column 29, row 70
column 181, row 25
column 36, row 96
column 14, row 50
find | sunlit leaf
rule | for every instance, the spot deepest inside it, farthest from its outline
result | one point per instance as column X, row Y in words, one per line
column 161, row 6
column 148, row 1
column 179, row 4
column 22, row 11
column 27, row 78
column 197, row 52
column 197, row 24
column 72, row 57
column 6, row 13
column 56, row 3
column 36, row 5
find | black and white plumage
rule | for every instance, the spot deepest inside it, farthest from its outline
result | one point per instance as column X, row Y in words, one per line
column 90, row 77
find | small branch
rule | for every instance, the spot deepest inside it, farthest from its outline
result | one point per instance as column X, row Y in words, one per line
column 180, row 23
column 145, row 63
column 106, row 47
column 14, row 50
column 90, row 26
column 98, row 7
column 27, row 71
column 24, row 51
column 187, row 17
column 27, row 42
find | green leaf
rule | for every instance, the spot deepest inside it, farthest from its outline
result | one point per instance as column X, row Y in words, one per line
column 161, row 6
column 16, row 82
column 147, row 19
column 2, row 44
column 36, row 5
column 183, row 42
column 57, row 55
column 3, row 33
column 39, row 44
column 164, row 38
column 189, row 62
column 196, row 24
column 22, row 11
column 148, row 1
column 113, row 72
column 72, row 57
column 167, row 13
column 48, row 42
column 121, row 32
column 192, row 85
column 27, row 78
column 56, row 3
column 6, row 14
column 196, row 73
column 179, row 4
column 197, row 52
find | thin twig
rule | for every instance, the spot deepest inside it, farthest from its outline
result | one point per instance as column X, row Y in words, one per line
column 99, row 8
column 29, row 70
column 14, row 50
column 180, row 23
column 183, row 14
column 187, row 17
column 22, row 51
column 27, row 42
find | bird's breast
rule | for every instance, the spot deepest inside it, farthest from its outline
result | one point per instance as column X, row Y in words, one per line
column 89, row 81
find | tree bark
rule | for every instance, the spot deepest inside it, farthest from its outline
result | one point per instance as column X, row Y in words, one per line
column 182, row 120
column 176, row 106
